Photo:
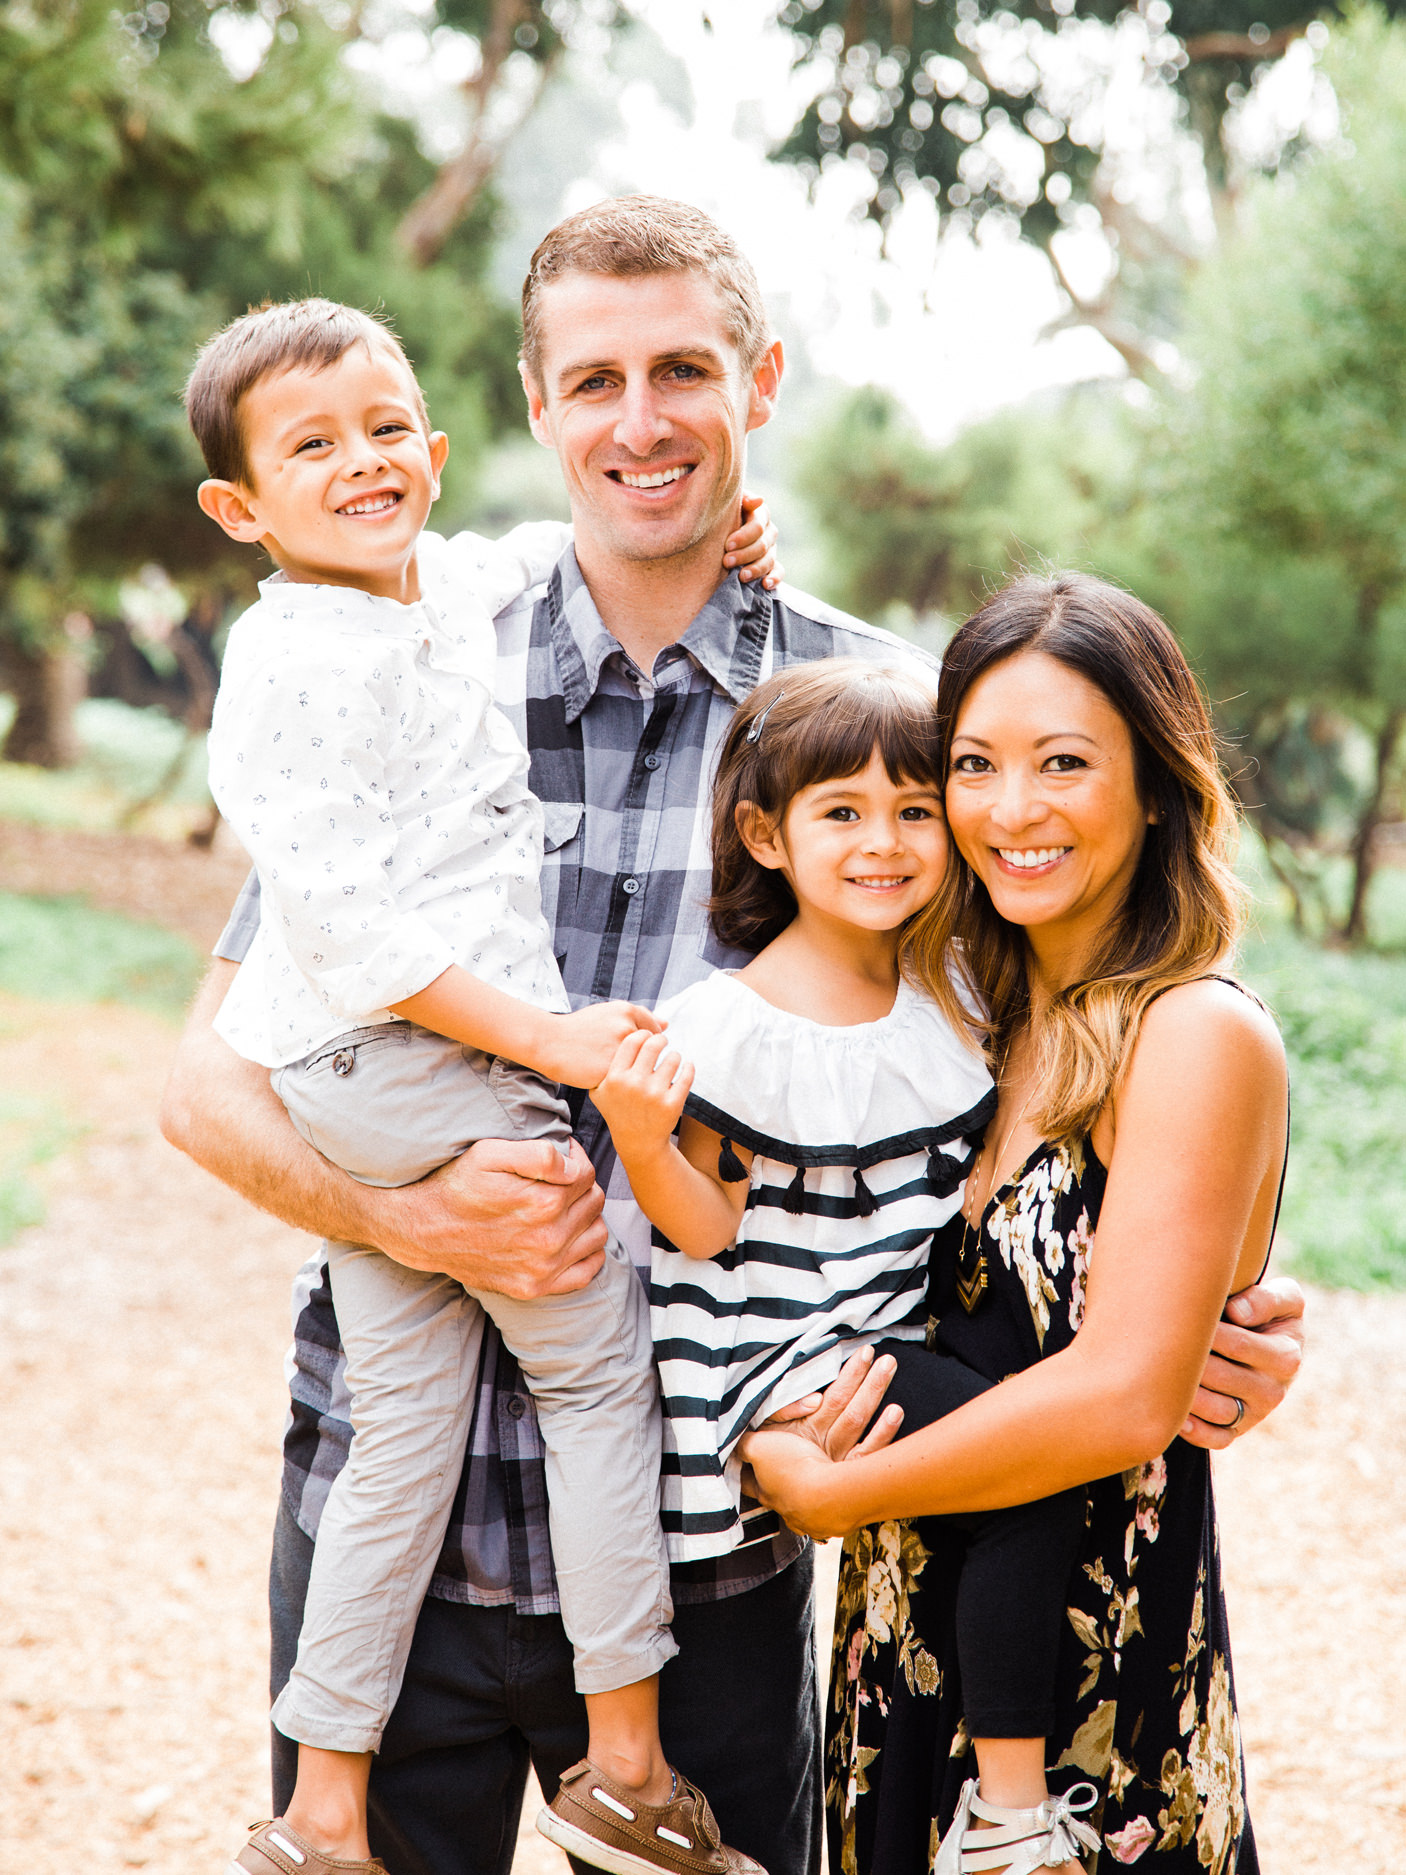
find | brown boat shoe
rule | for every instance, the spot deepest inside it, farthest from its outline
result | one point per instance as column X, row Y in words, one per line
column 600, row 1822
column 276, row 1849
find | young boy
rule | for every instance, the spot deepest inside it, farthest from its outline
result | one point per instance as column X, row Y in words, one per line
column 403, row 992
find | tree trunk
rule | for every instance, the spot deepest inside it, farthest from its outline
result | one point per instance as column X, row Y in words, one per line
column 1364, row 839
column 430, row 220
column 47, row 687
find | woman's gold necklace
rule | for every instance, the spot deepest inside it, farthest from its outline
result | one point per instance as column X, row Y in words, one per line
column 973, row 1275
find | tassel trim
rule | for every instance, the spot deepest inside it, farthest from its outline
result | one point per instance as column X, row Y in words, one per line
column 730, row 1168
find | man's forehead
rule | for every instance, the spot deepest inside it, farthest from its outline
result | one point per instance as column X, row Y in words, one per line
column 590, row 320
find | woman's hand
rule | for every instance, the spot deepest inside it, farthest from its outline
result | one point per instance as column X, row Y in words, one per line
column 1254, row 1360
column 793, row 1457
column 752, row 548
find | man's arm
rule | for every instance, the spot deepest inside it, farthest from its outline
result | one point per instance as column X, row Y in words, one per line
column 1254, row 1358
column 508, row 1216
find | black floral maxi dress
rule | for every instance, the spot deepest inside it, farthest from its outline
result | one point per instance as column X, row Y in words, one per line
column 1145, row 1696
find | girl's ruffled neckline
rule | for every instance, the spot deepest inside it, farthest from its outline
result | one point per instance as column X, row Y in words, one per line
column 904, row 1000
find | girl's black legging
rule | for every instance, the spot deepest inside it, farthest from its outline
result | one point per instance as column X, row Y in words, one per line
column 1013, row 1587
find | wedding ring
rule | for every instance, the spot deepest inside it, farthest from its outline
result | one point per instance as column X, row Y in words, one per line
column 1239, row 1415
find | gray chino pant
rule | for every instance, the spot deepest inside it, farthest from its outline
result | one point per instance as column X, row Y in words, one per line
column 390, row 1103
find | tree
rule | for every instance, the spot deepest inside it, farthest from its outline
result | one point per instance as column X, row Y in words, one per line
column 1293, row 442
column 519, row 42
column 933, row 529
column 145, row 196
column 973, row 102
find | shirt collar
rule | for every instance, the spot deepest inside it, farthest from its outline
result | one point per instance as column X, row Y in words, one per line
column 726, row 638
column 347, row 608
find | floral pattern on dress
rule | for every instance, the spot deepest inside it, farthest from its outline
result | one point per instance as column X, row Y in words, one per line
column 1145, row 1695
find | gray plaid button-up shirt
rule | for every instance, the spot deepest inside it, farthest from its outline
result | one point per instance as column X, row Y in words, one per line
column 622, row 762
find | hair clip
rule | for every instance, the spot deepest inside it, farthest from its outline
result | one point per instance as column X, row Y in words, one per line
column 754, row 734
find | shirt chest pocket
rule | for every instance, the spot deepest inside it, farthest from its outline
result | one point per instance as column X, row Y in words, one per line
column 561, row 869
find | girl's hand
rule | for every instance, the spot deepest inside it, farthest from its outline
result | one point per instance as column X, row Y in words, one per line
column 642, row 1095
column 753, row 546
column 793, row 1460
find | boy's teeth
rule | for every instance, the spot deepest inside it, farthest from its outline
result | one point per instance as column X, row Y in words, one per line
column 1039, row 856
column 653, row 481
column 373, row 506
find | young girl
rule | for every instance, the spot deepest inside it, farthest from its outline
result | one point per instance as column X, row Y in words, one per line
column 827, row 1112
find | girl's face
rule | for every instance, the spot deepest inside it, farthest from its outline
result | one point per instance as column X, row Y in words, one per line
column 1042, row 800
column 860, row 850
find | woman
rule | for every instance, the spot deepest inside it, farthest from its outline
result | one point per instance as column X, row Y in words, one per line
column 1128, row 1185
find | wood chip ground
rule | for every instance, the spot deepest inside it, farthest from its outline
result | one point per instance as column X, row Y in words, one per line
column 142, row 1329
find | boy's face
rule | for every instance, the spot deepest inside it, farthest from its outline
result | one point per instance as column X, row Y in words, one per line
column 342, row 475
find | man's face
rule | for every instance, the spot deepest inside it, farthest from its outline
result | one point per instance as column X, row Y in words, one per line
column 647, row 403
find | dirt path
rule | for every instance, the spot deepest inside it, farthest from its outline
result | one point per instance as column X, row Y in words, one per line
column 141, row 1335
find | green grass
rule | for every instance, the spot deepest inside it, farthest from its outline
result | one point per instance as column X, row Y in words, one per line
column 64, row 950
column 126, row 754
column 1343, row 1018
column 31, row 1132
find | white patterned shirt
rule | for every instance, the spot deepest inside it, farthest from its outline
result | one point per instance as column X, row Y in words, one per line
column 357, row 753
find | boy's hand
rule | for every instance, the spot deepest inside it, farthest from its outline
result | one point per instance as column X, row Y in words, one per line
column 578, row 1049
column 753, row 546
column 642, row 1096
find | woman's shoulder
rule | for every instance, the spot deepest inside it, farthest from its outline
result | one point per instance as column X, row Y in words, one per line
column 1209, row 1015
column 1206, row 1048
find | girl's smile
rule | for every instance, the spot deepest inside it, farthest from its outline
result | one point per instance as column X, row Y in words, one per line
column 862, row 849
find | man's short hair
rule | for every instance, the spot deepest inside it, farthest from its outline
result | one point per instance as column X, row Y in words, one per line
column 634, row 235
column 292, row 335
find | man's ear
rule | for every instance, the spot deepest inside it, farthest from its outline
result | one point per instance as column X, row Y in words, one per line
column 766, row 386
column 536, row 408
column 760, row 836
column 228, row 504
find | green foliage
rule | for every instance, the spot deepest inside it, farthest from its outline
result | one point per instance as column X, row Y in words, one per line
column 1343, row 1018
column 63, row 950
column 1295, row 439
column 926, row 92
column 145, row 196
column 935, row 528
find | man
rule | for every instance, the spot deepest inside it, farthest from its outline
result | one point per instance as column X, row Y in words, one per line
column 647, row 359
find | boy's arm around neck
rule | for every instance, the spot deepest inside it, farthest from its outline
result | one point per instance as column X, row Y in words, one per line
column 508, row 1215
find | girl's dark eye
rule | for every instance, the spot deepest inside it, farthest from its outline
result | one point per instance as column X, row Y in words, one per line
column 918, row 813
column 842, row 813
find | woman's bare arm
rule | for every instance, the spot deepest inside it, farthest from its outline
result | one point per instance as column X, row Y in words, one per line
column 1199, row 1138
column 508, row 1216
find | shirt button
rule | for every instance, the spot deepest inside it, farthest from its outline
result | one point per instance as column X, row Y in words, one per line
column 652, row 761
column 517, row 1406
column 630, row 887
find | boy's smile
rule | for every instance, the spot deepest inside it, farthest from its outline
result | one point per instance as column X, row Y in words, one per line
column 343, row 474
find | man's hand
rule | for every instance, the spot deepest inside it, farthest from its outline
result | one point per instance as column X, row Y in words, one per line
column 1254, row 1360
column 511, row 1216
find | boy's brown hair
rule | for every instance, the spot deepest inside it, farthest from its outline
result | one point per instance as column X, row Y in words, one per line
column 634, row 235
column 806, row 724
column 290, row 335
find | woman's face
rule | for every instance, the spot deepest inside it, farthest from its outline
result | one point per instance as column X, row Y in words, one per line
column 1043, row 805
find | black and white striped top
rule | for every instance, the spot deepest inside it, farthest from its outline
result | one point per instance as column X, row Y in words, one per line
column 861, row 1137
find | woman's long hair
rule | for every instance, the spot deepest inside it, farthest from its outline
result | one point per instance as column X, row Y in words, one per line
column 1182, row 913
